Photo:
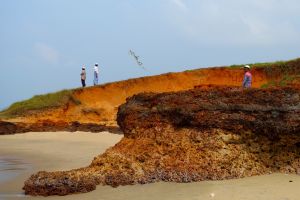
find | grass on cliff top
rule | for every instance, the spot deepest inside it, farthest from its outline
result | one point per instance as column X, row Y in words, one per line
column 39, row 102
column 282, row 64
column 266, row 64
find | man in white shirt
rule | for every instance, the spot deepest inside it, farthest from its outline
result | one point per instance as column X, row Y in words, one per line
column 83, row 76
column 96, row 74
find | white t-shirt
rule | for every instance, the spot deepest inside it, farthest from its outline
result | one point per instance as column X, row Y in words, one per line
column 96, row 69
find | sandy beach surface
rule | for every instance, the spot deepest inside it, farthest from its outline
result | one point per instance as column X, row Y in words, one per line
column 24, row 154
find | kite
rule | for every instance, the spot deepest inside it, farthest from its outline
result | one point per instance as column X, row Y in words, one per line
column 136, row 59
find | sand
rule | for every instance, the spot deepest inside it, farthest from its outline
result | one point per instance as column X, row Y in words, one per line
column 63, row 151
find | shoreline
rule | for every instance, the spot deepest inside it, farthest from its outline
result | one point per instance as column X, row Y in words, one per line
column 51, row 151
column 65, row 151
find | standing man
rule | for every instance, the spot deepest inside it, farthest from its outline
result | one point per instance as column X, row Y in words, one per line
column 83, row 76
column 247, row 82
column 96, row 74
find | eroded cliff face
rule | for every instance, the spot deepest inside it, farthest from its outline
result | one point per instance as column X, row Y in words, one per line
column 210, row 133
column 99, row 105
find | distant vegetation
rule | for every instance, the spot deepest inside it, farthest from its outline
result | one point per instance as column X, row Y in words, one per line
column 282, row 82
column 289, row 71
column 38, row 102
column 280, row 64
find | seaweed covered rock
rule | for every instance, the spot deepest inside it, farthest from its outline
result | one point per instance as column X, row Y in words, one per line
column 210, row 133
column 262, row 111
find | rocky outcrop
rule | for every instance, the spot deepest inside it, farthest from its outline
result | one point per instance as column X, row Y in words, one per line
column 269, row 112
column 7, row 128
column 210, row 133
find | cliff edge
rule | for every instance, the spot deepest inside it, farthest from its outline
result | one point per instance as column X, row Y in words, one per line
column 99, row 104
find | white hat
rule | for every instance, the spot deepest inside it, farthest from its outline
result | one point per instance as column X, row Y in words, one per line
column 96, row 64
column 247, row 66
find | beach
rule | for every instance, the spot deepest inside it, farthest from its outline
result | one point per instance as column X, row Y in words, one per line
column 51, row 151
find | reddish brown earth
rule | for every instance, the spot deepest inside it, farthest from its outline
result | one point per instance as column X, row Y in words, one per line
column 99, row 105
column 50, row 126
column 208, row 133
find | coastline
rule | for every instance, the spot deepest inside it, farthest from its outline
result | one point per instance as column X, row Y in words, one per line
column 50, row 151
column 64, row 151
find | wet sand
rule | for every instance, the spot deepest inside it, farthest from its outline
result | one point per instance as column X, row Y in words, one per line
column 33, row 152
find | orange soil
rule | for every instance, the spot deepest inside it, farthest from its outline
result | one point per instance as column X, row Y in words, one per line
column 100, row 104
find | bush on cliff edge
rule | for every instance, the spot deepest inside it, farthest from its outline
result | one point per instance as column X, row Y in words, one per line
column 39, row 102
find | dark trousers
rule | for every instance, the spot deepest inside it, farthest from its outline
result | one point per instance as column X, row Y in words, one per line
column 83, row 82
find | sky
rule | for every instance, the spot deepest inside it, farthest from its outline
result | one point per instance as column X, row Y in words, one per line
column 44, row 43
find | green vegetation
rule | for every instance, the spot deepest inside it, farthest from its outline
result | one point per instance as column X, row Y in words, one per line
column 269, row 84
column 277, row 64
column 283, row 82
column 267, row 64
column 39, row 102
column 280, row 73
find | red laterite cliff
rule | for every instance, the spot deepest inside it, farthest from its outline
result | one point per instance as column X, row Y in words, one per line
column 209, row 133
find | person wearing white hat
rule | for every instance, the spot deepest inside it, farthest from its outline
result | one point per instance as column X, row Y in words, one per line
column 96, row 74
column 247, row 81
column 83, row 76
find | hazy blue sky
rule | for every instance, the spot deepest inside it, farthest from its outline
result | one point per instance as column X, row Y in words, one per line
column 43, row 43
